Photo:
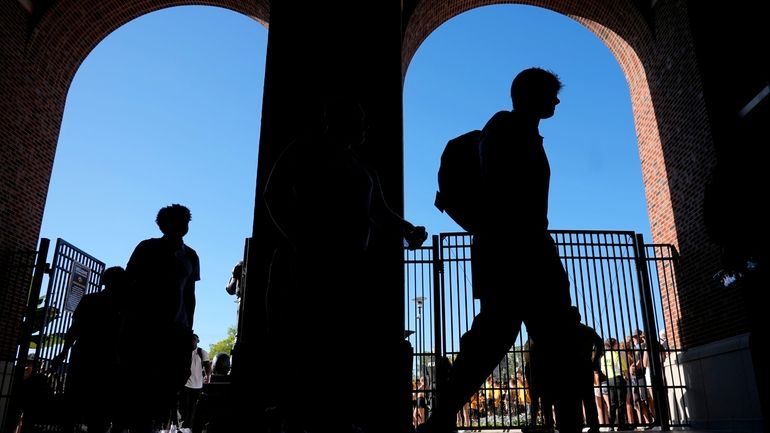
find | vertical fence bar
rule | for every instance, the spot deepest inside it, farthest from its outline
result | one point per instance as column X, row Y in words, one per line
column 438, row 319
column 604, row 267
column 645, row 292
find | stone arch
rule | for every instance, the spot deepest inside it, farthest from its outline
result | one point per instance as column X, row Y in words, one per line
column 69, row 30
column 44, row 47
column 429, row 15
column 58, row 40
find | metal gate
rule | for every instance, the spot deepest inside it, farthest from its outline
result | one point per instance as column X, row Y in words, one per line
column 72, row 274
column 619, row 284
column 18, row 269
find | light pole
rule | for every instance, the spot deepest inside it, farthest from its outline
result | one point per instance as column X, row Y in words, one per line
column 419, row 302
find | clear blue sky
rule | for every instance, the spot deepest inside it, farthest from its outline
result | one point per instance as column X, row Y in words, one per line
column 167, row 110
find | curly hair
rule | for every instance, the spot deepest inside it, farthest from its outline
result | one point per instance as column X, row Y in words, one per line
column 174, row 213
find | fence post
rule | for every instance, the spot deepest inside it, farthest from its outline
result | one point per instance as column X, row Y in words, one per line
column 661, row 407
column 438, row 319
column 41, row 267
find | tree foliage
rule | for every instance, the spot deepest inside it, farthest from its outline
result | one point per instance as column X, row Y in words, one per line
column 44, row 316
column 225, row 346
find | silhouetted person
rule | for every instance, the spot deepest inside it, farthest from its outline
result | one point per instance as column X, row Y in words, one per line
column 220, row 368
column 233, row 286
column 92, row 369
column 325, row 201
column 590, row 349
column 162, row 273
column 517, row 273
column 615, row 368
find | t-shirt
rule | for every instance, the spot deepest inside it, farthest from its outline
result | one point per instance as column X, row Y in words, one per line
column 195, row 381
column 614, row 364
column 162, row 273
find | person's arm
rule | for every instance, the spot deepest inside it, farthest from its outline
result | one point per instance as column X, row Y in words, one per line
column 206, row 362
column 279, row 194
column 646, row 359
column 384, row 216
column 72, row 334
column 189, row 290
column 136, row 268
column 598, row 353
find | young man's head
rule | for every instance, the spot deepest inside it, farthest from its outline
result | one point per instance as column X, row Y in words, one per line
column 534, row 91
column 114, row 281
column 174, row 220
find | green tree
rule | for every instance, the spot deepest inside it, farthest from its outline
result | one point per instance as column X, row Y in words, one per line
column 44, row 316
column 225, row 345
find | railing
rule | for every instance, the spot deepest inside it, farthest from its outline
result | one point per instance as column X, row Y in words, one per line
column 620, row 286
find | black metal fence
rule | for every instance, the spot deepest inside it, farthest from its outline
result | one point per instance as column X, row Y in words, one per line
column 622, row 288
column 72, row 274
column 619, row 284
column 19, row 269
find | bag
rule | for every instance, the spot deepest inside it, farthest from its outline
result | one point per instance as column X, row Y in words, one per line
column 459, row 180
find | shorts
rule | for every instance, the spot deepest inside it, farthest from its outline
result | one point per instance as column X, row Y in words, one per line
column 639, row 388
column 422, row 402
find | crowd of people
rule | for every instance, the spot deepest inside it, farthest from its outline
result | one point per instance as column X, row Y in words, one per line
column 620, row 392
column 146, row 307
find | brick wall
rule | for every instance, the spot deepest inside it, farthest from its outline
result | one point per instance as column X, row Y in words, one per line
column 20, row 208
column 40, row 52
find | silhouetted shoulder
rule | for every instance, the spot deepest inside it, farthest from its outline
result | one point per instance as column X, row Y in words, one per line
column 149, row 244
column 499, row 128
column 499, row 121
column 191, row 252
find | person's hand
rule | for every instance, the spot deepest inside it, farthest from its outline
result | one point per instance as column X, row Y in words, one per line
column 415, row 237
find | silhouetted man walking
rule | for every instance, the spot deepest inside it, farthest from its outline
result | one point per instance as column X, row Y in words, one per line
column 326, row 202
column 517, row 272
column 162, row 274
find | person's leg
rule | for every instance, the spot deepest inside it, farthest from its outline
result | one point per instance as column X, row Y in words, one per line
column 606, row 404
column 592, row 418
column 492, row 334
column 184, row 406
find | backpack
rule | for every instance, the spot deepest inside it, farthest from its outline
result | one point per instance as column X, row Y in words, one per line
column 459, row 180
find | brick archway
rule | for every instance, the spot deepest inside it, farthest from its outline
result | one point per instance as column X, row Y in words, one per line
column 672, row 127
column 42, row 64
column 628, row 37
column 43, row 46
